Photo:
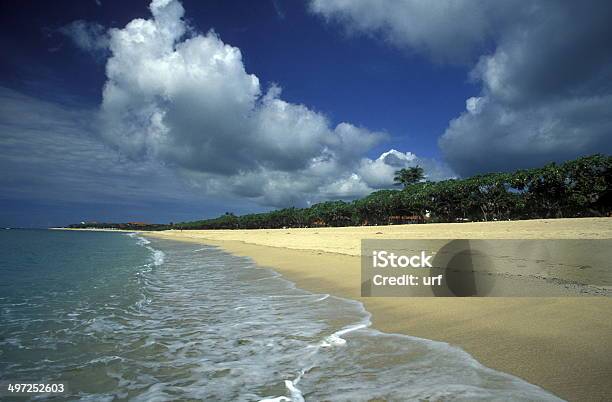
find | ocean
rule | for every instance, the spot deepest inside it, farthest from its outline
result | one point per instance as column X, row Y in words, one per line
column 116, row 316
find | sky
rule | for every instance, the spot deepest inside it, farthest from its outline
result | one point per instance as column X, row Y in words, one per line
column 170, row 111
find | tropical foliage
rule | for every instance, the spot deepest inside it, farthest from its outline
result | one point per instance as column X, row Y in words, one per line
column 406, row 177
column 581, row 187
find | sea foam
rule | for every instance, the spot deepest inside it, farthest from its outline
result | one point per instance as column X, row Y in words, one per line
column 157, row 256
column 201, row 324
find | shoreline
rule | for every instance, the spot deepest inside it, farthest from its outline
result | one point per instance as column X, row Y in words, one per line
column 558, row 343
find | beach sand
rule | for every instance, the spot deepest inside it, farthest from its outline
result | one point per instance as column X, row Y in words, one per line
column 563, row 344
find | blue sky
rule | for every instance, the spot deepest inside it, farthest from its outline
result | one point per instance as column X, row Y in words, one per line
column 350, row 78
column 307, row 101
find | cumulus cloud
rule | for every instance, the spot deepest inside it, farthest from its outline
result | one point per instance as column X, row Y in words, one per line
column 545, row 83
column 379, row 173
column 187, row 100
column 447, row 30
column 87, row 36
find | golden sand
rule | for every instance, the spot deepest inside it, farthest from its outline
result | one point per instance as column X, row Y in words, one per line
column 563, row 344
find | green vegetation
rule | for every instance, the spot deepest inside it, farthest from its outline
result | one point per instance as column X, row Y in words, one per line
column 406, row 177
column 578, row 188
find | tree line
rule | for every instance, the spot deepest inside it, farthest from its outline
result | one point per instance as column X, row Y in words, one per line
column 577, row 188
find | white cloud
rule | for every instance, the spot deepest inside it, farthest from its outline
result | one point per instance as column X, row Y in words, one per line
column 379, row 173
column 545, row 83
column 187, row 100
column 88, row 36
column 446, row 30
column 474, row 104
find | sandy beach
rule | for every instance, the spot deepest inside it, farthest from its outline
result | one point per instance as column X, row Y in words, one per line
column 559, row 343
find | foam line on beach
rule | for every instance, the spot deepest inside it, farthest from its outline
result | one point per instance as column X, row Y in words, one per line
column 350, row 332
column 157, row 256
column 337, row 339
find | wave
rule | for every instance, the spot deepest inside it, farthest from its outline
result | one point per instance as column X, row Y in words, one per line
column 207, row 325
column 490, row 384
column 157, row 256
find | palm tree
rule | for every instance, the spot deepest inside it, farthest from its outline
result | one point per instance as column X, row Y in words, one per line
column 408, row 176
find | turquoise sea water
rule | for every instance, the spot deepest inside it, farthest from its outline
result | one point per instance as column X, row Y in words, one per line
column 120, row 317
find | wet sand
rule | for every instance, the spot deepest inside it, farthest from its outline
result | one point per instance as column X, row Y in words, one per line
column 562, row 344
